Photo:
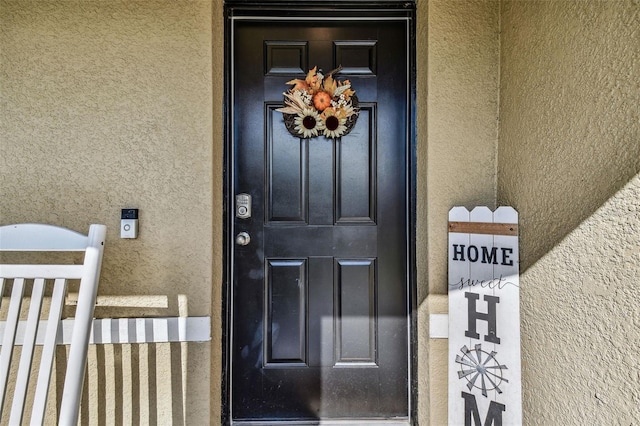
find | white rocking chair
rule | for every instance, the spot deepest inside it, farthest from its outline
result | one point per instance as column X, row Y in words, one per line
column 47, row 238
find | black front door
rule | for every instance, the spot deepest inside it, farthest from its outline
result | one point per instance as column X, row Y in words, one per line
column 319, row 295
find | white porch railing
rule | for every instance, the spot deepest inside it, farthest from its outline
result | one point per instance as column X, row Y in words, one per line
column 130, row 330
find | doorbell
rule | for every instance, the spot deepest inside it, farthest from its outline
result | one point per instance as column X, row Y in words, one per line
column 129, row 223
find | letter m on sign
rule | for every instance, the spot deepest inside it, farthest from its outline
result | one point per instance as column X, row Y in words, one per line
column 494, row 415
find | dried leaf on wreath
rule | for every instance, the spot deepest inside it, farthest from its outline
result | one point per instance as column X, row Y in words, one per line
column 343, row 90
column 298, row 84
column 287, row 110
column 330, row 86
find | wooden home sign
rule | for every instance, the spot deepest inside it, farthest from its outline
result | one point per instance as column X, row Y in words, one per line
column 484, row 318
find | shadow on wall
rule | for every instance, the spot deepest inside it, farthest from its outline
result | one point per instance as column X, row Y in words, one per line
column 569, row 130
column 579, row 308
column 547, row 218
column 557, row 181
column 135, row 384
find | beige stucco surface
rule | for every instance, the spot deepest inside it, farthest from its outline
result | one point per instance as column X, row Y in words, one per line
column 569, row 161
column 581, row 321
column 112, row 104
column 458, row 145
column 107, row 105
column 457, row 102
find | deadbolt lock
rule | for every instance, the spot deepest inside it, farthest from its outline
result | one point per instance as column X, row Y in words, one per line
column 243, row 206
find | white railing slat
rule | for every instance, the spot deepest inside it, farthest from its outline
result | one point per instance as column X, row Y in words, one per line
column 26, row 356
column 48, row 351
column 9, row 336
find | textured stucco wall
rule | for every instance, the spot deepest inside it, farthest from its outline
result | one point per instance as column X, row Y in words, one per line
column 457, row 148
column 569, row 161
column 106, row 105
column 581, row 321
column 136, row 88
column 570, row 103
column 457, row 93
column 217, row 261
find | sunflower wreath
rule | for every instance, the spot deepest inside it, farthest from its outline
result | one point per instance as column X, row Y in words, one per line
column 320, row 104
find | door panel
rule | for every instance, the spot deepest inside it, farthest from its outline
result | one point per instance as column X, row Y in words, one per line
column 357, row 173
column 320, row 294
column 355, row 313
column 286, row 314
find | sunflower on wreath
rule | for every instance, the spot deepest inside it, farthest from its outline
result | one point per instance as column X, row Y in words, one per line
column 320, row 105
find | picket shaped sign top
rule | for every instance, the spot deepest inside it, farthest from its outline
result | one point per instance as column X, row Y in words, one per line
column 484, row 317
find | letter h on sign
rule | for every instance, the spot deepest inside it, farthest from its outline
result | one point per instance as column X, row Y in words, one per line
column 474, row 316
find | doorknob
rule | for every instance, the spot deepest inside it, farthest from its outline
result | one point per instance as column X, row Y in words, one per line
column 242, row 239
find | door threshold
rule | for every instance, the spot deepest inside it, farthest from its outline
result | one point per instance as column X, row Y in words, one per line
column 350, row 422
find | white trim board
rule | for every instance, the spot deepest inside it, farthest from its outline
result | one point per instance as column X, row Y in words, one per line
column 439, row 326
column 130, row 330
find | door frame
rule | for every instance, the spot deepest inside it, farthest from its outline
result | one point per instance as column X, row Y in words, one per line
column 342, row 10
